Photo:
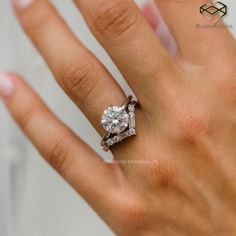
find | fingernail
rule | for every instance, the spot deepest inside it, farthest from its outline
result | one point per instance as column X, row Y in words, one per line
column 7, row 86
column 21, row 4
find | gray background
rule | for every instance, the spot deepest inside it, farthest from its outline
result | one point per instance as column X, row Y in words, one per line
column 34, row 200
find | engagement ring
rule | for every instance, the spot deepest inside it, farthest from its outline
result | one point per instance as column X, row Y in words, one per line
column 118, row 122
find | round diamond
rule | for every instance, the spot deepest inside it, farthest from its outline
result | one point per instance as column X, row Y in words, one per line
column 132, row 132
column 132, row 107
column 110, row 142
column 115, row 119
column 116, row 139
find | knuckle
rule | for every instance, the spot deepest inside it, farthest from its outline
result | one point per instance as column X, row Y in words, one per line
column 161, row 172
column 114, row 19
column 58, row 154
column 192, row 126
column 226, row 85
column 132, row 212
column 26, row 115
column 78, row 81
column 39, row 20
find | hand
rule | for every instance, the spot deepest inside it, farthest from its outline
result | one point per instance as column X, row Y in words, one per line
column 186, row 123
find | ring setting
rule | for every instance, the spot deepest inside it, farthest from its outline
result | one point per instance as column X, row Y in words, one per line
column 118, row 123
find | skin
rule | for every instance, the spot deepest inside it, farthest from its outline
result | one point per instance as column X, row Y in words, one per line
column 186, row 123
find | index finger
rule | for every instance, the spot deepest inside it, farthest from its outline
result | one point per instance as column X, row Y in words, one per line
column 77, row 163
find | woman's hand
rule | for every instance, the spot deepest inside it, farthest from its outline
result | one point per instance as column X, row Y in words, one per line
column 186, row 123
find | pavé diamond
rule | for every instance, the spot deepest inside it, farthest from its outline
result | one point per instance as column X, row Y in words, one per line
column 116, row 139
column 132, row 132
column 131, row 107
column 110, row 142
column 115, row 120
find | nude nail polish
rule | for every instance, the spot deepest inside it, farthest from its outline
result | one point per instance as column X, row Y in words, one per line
column 7, row 85
column 21, row 4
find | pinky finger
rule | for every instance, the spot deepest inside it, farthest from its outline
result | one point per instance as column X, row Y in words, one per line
column 156, row 21
column 63, row 150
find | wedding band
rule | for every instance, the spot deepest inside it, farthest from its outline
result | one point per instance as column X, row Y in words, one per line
column 118, row 122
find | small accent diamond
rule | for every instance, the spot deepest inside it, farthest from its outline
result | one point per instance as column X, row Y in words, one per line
column 131, row 107
column 110, row 142
column 116, row 139
column 132, row 132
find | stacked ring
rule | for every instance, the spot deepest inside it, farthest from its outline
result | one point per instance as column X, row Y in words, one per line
column 118, row 122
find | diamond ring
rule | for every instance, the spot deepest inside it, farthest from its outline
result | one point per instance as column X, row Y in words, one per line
column 118, row 122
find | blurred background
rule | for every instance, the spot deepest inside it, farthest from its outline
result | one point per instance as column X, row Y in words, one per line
column 34, row 200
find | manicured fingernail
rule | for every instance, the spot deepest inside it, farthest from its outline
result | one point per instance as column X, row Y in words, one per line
column 21, row 4
column 7, row 85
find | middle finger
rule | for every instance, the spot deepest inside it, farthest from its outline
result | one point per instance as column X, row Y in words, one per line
column 79, row 73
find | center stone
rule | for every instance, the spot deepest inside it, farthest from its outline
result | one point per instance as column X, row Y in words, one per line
column 115, row 120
